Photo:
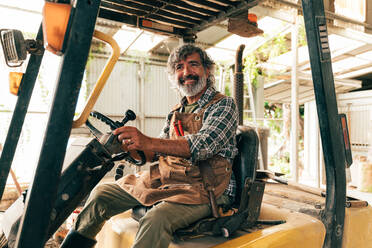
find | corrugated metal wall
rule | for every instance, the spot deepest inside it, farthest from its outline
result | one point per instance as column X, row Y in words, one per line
column 355, row 9
column 159, row 98
column 121, row 88
column 149, row 97
column 358, row 108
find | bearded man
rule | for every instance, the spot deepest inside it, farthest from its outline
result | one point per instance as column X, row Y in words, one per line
column 201, row 128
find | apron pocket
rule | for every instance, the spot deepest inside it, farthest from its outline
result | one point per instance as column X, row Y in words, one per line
column 220, row 167
column 175, row 186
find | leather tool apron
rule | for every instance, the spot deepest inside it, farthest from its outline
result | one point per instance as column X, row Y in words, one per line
column 175, row 179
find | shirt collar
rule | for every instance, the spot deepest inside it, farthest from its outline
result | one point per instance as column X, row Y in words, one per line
column 204, row 99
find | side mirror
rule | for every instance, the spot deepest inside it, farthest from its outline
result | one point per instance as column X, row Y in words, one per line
column 15, row 47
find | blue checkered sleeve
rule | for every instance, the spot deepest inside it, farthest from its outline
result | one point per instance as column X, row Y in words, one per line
column 217, row 135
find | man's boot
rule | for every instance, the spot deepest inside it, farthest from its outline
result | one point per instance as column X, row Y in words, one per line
column 76, row 240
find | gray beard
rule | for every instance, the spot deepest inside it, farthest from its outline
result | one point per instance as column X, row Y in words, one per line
column 192, row 90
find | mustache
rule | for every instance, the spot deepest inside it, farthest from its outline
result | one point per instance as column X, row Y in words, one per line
column 188, row 77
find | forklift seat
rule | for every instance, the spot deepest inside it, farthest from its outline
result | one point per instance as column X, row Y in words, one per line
column 245, row 163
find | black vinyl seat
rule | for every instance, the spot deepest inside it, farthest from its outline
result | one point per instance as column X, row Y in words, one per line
column 245, row 163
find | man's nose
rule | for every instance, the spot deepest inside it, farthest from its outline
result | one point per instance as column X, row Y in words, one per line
column 186, row 70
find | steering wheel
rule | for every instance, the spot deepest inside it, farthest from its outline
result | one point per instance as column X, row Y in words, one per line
column 129, row 116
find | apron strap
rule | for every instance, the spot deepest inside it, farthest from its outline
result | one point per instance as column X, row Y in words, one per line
column 209, row 181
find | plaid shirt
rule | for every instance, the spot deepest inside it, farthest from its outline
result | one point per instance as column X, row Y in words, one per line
column 217, row 135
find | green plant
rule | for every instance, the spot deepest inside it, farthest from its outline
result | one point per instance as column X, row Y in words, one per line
column 275, row 120
column 301, row 39
column 280, row 164
column 253, row 61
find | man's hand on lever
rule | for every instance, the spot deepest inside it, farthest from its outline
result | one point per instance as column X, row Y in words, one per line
column 133, row 139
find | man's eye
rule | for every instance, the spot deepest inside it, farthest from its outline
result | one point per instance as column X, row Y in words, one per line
column 178, row 67
column 195, row 64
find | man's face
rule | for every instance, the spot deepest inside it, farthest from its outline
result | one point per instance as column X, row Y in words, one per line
column 190, row 75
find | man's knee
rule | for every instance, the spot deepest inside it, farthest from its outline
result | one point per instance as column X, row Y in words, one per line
column 157, row 218
column 158, row 215
column 167, row 217
column 101, row 193
column 155, row 230
column 98, row 200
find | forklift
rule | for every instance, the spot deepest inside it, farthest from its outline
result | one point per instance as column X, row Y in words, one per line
column 314, row 219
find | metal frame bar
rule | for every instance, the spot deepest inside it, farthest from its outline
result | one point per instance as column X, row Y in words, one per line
column 175, row 3
column 232, row 10
column 19, row 114
column 199, row 15
column 329, row 123
column 136, row 22
column 209, row 5
column 181, row 24
column 153, row 10
column 180, row 11
column 39, row 208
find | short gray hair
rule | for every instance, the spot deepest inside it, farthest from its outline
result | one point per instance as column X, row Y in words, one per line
column 181, row 52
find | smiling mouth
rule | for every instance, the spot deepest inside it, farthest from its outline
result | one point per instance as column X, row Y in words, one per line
column 189, row 82
column 191, row 79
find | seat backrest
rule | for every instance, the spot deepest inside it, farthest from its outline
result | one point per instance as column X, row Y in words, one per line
column 245, row 163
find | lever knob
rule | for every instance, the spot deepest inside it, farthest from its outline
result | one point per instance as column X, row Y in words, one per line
column 129, row 116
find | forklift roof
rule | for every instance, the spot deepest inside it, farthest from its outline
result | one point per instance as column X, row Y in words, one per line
column 182, row 18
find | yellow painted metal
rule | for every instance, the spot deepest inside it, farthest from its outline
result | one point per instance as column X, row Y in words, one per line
column 358, row 227
column 15, row 79
column 118, row 232
column 102, row 78
column 300, row 230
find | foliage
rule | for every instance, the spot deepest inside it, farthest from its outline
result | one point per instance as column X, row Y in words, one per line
column 280, row 164
column 301, row 39
column 271, row 49
column 273, row 112
column 251, row 64
column 228, row 83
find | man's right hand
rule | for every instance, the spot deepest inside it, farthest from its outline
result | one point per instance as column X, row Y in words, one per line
column 136, row 140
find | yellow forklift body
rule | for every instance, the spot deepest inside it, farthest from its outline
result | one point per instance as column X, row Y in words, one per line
column 358, row 227
column 300, row 230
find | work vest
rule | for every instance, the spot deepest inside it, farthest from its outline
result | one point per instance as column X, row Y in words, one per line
column 175, row 179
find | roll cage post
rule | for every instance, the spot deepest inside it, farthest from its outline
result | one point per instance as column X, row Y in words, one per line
column 333, row 214
column 42, row 193
column 39, row 205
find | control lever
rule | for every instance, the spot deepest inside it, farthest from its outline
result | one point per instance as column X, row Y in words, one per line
column 129, row 116
column 110, row 141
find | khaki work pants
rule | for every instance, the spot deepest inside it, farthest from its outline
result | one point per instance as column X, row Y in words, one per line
column 155, row 228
